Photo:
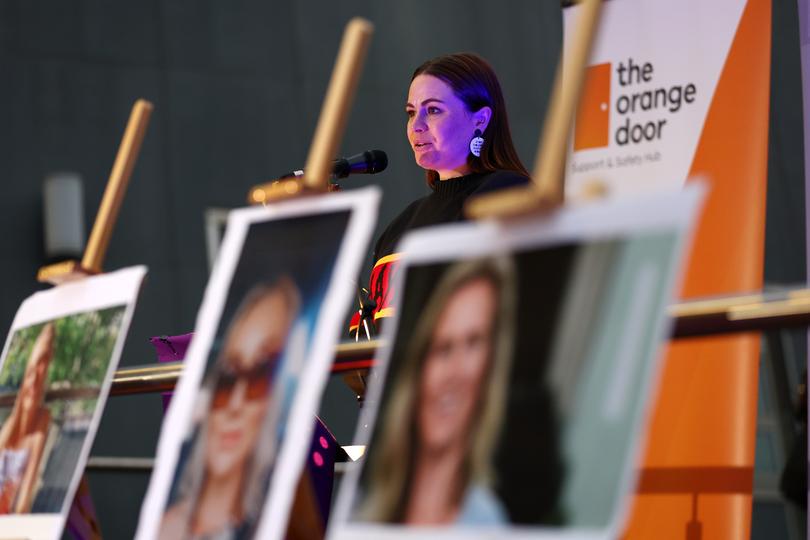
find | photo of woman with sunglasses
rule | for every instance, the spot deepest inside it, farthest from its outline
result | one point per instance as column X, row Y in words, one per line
column 220, row 484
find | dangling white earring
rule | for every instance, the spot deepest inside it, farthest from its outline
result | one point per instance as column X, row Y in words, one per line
column 476, row 143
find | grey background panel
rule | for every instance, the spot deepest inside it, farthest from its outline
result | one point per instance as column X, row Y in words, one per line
column 237, row 88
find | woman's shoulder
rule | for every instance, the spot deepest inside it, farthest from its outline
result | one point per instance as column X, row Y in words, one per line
column 396, row 229
column 37, row 437
column 175, row 520
column 481, row 506
column 409, row 210
column 500, row 179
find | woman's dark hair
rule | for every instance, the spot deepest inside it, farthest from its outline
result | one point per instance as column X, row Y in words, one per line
column 474, row 82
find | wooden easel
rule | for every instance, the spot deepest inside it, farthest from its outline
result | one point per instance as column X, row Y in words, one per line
column 303, row 521
column 331, row 123
column 96, row 249
column 546, row 191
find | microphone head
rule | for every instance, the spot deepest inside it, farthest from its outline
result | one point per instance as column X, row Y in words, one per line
column 368, row 162
column 377, row 161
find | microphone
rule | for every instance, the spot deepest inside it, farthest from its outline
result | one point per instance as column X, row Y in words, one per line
column 368, row 162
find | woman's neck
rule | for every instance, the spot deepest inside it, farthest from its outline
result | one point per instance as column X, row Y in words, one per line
column 434, row 493
column 457, row 172
column 218, row 505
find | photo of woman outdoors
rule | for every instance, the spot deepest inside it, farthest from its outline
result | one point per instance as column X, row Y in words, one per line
column 49, row 383
column 22, row 438
column 444, row 416
column 220, row 488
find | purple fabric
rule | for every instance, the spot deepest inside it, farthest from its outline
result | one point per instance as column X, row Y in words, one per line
column 82, row 523
column 171, row 349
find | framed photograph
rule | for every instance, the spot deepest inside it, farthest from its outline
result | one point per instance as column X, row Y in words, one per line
column 55, row 374
column 510, row 401
column 238, row 429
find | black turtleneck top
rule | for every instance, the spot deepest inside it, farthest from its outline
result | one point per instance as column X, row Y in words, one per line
column 445, row 204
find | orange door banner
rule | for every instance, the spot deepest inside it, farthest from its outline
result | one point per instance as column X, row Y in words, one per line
column 687, row 95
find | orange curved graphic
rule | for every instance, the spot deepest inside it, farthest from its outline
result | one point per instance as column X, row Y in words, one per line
column 705, row 414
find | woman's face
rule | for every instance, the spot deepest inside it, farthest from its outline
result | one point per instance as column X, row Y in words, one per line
column 457, row 361
column 439, row 127
column 36, row 372
column 252, row 347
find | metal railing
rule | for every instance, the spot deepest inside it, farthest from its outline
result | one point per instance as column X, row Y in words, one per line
column 694, row 318
column 691, row 319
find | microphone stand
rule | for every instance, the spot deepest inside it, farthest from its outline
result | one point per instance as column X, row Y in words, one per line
column 366, row 313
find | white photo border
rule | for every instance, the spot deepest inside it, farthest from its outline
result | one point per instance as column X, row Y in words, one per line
column 362, row 203
column 93, row 293
column 673, row 210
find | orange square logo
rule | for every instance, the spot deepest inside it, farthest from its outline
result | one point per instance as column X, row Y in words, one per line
column 592, row 128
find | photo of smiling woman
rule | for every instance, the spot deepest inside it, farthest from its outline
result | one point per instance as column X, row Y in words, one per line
column 23, row 435
column 220, row 488
column 432, row 461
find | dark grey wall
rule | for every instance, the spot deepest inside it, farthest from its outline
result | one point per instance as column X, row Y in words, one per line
column 784, row 351
column 785, row 229
column 237, row 87
column 785, row 234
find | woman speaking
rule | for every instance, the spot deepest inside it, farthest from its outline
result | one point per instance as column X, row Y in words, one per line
column 459, row 133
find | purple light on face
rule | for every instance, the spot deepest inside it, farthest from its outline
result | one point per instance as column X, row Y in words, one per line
column 324, row 443
column 317, row 458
